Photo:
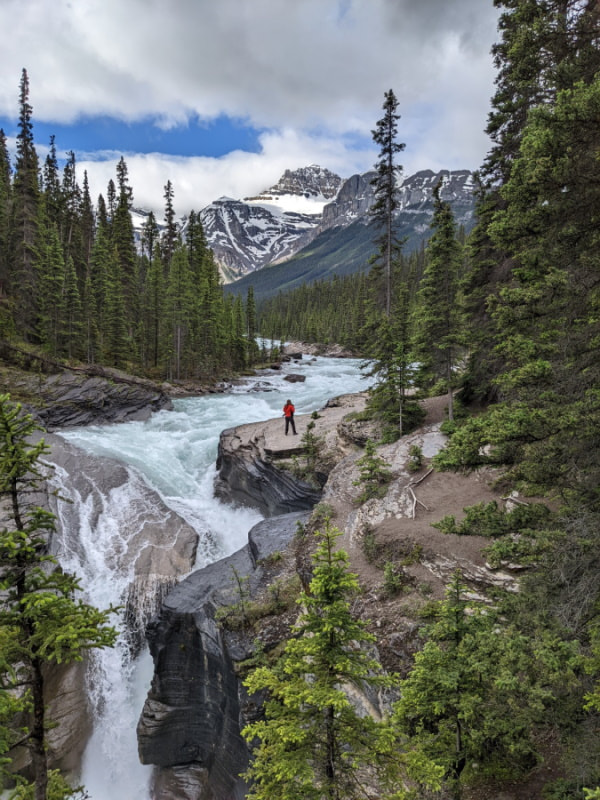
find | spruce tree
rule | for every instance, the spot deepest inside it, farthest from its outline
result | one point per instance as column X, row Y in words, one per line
column 313, row 743
column 52, row 194
column 477, row 690
column 51, row 278
column 24, row 220
column 5, row 197
column 169, row 235
column 438, row 325
column 71, row 312
column 385, row 186
column 87, row 223
column 251, row 345
column 178, row 314
column 123, row 239
column 150, row 234
column 154, row 310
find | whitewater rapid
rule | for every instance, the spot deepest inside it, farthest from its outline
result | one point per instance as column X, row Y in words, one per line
column 174, row 454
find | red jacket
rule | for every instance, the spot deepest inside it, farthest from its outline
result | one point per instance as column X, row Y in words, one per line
column 288, row 410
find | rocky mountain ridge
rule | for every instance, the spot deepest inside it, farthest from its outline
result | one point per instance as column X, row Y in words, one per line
column 282, row 221
column 246, row 235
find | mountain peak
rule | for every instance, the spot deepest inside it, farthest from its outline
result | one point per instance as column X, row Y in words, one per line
column 312, row 182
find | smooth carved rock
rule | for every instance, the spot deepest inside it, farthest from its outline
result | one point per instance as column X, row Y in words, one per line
column 69, row 399
column 251, row 460
column 247, row 474
column 190, row 724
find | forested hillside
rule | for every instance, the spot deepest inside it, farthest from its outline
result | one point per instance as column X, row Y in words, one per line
column 73, row 283
column 507, row 324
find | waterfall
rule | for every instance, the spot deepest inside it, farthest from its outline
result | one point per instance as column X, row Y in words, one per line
column 158, row 477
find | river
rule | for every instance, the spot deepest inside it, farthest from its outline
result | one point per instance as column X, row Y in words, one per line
column 174, row 454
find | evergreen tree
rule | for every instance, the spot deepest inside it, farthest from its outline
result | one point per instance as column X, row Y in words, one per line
column 237, row 338
column 252, row 346
column 178, row 313
column 51, row 278
column 5, row 198
column 123, row 239
column 87, row 223
column 150, row 234
column 71, row 193
column 477, row 689
column 71, row 312
column 313, row 743
column 154, row 310
column 169, row 236
column 439, row 325
column 43, row 620
column 101, row 270
column 386, row 201
column 53, row 200
column 24, row 220
column 116, row 343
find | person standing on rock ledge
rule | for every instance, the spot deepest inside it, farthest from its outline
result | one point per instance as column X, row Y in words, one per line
column 288, row 413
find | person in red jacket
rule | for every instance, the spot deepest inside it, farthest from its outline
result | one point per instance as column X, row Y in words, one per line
column 288, row 413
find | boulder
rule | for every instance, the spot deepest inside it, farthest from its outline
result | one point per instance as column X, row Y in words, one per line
column 294, row 377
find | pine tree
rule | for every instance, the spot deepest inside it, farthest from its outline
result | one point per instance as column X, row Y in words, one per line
column 169, row 235
column 178, row 313
column 154, row 310
column 100, row 276
column 51, row 279
column 251, row 345
column 71, row 312
column 5, row 201
column 123, row 239
column 72, row 221
column 53, row 200
column 116, row 342
column 87, row 223
column 150, row 234
column 313, row 743
column 43, row 620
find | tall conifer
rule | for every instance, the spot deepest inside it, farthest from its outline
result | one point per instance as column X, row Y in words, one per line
column 24, row 219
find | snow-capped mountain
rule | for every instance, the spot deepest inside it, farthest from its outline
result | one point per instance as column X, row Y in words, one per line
column 273, row 226
column 247, row 234
column 281, row 221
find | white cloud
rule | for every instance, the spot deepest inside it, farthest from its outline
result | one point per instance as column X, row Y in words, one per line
column 199, row 180
column 290, row 66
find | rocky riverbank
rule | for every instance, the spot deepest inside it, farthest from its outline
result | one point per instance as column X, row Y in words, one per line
column 198, row 642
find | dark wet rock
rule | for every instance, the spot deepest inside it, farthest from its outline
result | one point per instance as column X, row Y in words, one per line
column 68, row 399
column 190, row 725
column 294, row 377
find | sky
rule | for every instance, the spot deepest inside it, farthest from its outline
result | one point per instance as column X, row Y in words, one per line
column 222, row 96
